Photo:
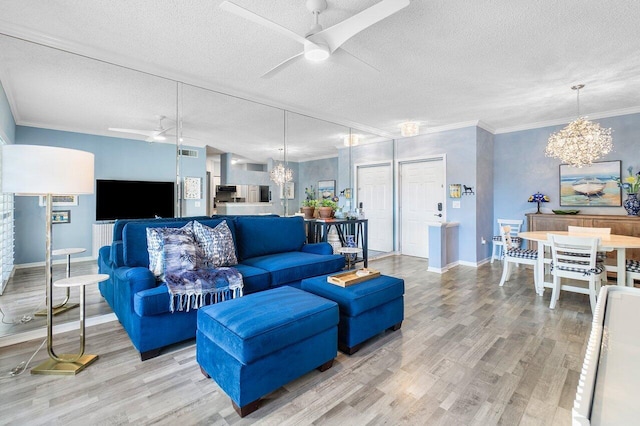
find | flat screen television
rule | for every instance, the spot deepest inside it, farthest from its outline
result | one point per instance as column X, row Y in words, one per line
column 128, row 199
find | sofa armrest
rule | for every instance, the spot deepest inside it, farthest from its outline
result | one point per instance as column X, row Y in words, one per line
column 117, row 257
column 133, row 280
column 317, row 248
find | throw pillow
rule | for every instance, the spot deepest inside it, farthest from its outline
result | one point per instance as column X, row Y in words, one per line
column 216, row 244
column 180, row 252
column 155, row 245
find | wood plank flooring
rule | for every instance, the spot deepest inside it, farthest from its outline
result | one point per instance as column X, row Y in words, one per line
column 469, row 353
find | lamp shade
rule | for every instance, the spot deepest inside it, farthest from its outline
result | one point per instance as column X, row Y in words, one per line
column 41, row 170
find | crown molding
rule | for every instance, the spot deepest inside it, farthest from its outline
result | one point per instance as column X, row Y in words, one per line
column 563, row 121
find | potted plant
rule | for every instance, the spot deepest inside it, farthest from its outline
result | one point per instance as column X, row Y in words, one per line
column 327, row 208
column 308, row 208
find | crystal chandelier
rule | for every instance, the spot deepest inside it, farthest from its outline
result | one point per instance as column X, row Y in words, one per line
column 581, row 142
column 409, row 128
column 280, row 174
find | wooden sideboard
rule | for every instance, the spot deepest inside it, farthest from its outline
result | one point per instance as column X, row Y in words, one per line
column 620, row 225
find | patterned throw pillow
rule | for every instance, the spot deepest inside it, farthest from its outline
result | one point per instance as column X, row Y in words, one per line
column 180, row 252
column 216, row 244
column 155, row 245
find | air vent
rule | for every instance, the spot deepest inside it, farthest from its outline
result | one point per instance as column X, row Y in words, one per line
column 189, row 153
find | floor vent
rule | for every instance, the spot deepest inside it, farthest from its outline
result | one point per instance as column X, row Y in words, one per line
column 189, row 153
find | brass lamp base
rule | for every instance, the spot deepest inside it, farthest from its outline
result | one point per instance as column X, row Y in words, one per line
column 57, row 310
column 53, row 367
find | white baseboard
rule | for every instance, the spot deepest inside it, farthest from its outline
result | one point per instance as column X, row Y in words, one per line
column 41, row 333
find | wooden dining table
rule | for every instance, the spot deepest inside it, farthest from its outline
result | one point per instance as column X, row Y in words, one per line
column 619, row 243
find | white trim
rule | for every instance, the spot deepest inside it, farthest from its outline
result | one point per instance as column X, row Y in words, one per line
column 41, row 333
column 61, row 261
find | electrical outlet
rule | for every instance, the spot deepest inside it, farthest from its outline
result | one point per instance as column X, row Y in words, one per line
column 455, row 204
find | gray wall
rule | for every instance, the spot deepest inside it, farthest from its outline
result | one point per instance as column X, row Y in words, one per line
column 310, row 172
column 484, row 193
column 522, row 169
column 114, row 159
column 7, row 123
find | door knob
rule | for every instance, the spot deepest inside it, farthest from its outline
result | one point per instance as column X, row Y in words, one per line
column 438, row 214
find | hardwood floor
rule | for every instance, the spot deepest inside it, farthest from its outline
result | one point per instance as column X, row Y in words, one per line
column 469, row 353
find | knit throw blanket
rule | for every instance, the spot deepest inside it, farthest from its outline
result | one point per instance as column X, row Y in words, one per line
column 199, row 287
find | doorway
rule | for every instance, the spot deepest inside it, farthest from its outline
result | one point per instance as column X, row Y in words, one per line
column 421, row 200
column 375, row 192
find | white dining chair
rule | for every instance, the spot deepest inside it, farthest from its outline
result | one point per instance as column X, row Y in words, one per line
column 514, row 255
column 575, row 257
column 498, row 244
column 603, row 233
column 633, row 271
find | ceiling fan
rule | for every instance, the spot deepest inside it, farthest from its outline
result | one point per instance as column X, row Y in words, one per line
column 319, row 44
column 157, row 135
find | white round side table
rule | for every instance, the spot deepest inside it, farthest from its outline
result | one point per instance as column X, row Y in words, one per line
column 346, row 251
column 64, row 306
column 69, row 364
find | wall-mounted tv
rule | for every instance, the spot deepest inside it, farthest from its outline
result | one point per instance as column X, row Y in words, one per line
column 128, row 199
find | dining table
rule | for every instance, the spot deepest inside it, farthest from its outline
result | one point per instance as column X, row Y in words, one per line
column 613, row 242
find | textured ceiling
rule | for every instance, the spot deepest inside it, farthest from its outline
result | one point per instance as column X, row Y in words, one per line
column 444, row 63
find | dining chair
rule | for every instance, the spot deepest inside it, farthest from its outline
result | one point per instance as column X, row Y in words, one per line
column 514, row 255
column 575, row 257
column 604, row 233
column 498, row 244
column 633, row 271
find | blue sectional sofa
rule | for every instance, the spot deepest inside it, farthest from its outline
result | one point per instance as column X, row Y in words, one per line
column 271, row 252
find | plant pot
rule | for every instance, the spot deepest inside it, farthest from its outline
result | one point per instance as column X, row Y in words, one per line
column 308, row 212
column 325, row 212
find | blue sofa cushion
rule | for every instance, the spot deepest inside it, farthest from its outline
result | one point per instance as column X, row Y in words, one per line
column 134, row 238
column 258, row 236
column 296, row 265
column 256, row 325
column 357, row 298
column 118, row 226
column 218, row 247
column 254, row 279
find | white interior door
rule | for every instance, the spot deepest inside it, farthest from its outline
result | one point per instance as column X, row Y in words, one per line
column 421, row 189
column 375, row 192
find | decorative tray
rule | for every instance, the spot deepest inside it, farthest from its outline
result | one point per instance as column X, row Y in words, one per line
column 348, row 278
column 566, row 211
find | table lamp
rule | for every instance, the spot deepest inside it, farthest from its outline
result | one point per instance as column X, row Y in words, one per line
column 44, row 170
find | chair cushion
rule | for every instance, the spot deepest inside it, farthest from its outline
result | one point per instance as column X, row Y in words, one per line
column 522, row 253
column 579, row 267
column 514, row 240
column 633, row 265
column 256, row 325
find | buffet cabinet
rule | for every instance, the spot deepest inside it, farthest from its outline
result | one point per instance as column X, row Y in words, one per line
column 620, row 225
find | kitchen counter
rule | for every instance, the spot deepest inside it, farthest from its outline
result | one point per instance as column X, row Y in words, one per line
column 244, row 208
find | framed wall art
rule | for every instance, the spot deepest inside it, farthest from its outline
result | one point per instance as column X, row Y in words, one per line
column 326, row 189
column 288, row 190
column 192, row 188
column 61, row 216
column 593, row 186
column 59, row 200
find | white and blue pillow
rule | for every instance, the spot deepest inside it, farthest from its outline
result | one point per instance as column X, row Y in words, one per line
column 155, row 245
column 180, row 252
column 216, row 244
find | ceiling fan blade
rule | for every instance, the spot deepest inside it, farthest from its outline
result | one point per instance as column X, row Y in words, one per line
column 249, row 15
column 353, row 61
column 282, row 65
column 132, row 131
column 338, row 34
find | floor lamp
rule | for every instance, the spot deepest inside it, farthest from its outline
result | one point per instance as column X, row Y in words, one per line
column 44, row 170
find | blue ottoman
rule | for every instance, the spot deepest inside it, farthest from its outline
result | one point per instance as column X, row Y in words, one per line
column 255, row 344
column 366, row 309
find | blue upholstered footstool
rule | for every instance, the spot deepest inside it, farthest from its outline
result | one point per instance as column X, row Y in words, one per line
column 366, row 309
column 255, row 344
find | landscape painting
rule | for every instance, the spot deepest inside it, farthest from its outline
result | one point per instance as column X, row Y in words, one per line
column 591, row 186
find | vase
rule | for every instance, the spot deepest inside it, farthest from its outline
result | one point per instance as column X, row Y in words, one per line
column 632, row 205
column 308, row 212
column 349, row 241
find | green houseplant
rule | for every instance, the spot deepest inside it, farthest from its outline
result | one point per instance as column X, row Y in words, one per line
column 327, row 208
column 308, row 208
